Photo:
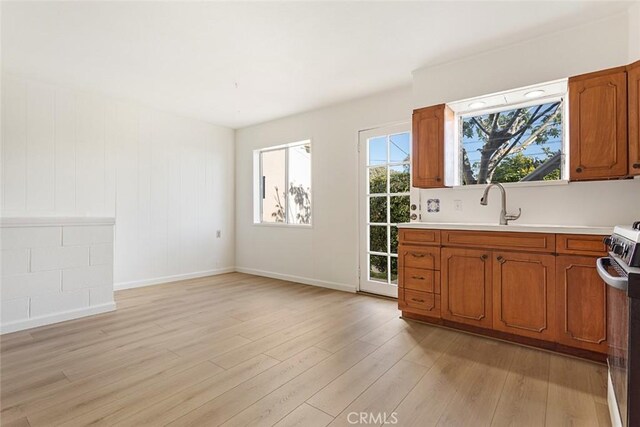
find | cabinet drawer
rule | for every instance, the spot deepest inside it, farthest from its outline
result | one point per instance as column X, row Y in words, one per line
column 419, row 257
column 530, row 242
column 421, row 237
column 580, row 244
column 425, row 303
column 418, row 279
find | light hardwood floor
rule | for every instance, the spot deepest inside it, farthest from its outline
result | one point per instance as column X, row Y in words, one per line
column 238, row 350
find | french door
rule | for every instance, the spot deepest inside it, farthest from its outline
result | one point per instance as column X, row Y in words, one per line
column 384, row 195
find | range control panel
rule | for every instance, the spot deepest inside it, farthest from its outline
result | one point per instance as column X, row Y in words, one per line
column 624, row 248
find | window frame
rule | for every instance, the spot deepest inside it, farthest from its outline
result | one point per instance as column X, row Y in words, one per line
column 564, row 164
column 258, row 188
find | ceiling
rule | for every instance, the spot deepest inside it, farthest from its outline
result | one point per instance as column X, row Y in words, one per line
column 241, row 63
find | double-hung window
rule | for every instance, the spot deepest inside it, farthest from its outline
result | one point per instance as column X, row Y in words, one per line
column 283, row 187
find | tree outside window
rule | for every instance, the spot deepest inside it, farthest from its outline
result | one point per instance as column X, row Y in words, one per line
column 514, row 145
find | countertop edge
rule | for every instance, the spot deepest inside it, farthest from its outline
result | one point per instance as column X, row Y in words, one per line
column 537, row 228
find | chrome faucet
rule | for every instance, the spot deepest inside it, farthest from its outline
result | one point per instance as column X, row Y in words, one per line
column 504, row 216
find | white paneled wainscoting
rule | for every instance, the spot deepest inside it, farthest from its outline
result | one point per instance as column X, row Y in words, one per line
column 54, row 269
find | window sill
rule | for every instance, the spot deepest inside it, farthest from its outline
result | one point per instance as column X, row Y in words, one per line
column 508, row 185
column 282, row 225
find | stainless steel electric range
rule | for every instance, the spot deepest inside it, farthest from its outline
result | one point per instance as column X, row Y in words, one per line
column 621, row 272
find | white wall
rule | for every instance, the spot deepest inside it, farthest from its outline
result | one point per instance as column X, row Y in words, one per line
column 570, row 52
column 54, row 270
column 634, row 33
column 595, row 46
column 327, row 253
column 167, row 180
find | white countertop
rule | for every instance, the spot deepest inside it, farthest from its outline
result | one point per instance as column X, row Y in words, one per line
column 523, row 228
column 49, row 221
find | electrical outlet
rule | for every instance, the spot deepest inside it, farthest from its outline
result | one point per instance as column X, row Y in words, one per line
column 218, row 234
column 457, row 205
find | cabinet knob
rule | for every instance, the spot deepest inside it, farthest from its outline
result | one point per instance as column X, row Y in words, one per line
column 417, row 300
column 484, row 257
column 417, row 277
column 636, row 165
column 501, row 259
column 578, row 170
column 438, row 179
column 413, row 207
column 414, row 216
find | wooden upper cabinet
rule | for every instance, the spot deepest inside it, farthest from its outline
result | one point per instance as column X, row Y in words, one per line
column 524, row 294
column 466, row 286
column 598, row 125
column 633, row 78
column 581, row 304
column 431, row 126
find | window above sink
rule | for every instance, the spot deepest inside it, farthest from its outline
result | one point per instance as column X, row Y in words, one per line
column 517, row 137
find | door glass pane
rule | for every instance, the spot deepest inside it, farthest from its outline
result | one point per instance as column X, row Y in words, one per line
column 378, row 238
column 274, row 198
column 394, row 270
column 378, row 180
column 388, row 184
column 299, row 188
column 399, row 148
column 399, row 209
column 394, row 239
column 399, row 179
column 378, row 209
column 378, row 150
column 378, row 268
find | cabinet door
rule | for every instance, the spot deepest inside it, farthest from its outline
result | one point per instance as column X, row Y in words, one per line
column 581, row 304
column 429, row 127
column 633, row 77
column 466, row 286
column 524, row 294
column 598, row 125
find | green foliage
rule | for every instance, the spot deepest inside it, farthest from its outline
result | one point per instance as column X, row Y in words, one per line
column 399, row 182
column 517, row 166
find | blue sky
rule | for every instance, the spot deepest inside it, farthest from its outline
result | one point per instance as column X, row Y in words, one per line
column 399, row 148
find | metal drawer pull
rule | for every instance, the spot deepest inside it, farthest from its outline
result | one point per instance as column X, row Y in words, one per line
column 417, row 277
column 413, row 254
column 417, row 300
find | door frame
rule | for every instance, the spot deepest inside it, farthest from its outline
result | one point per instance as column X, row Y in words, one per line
column 363, row 244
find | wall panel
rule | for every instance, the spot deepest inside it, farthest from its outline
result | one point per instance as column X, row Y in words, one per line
column 168, row 180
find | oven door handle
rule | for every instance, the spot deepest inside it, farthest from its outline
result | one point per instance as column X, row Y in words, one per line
column 621, row 283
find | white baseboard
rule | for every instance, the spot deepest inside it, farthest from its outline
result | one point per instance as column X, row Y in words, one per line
column 614, row 412
column 56, row 317
column 298, row 279
column 174, row 278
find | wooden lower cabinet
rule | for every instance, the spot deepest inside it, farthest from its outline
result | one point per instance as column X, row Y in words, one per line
column 547, row 295
column 424, row 303
column 466, row 286
column 581, row 304
column 524, row 294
